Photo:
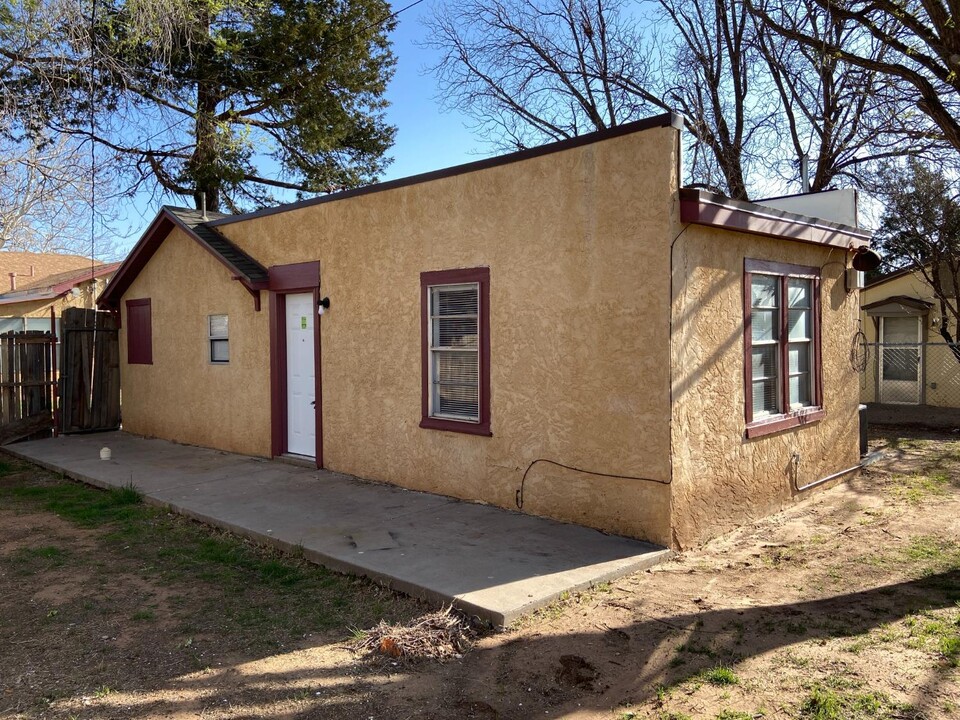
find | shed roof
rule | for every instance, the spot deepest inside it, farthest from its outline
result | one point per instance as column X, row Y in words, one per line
column 700, row 207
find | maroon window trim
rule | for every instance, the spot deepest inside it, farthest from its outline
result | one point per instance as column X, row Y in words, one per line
column 139, row 332
column 796, row 418
column 481, row 276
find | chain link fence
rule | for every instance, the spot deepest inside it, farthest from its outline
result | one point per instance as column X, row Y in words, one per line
column 909, row 376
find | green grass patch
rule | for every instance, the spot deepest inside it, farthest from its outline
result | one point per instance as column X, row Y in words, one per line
column 720, row 675
column 30, row 560
column 950, row 649
column 915, row 489
column 85, row 506
column 734, row 715
column 837, row 699
column 258, row 596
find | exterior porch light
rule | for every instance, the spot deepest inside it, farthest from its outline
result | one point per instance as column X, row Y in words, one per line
column 323, row 305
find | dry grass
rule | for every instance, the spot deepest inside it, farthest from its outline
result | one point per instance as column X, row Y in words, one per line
column 439, row 635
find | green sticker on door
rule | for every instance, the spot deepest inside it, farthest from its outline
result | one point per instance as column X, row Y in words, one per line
column 303, row 322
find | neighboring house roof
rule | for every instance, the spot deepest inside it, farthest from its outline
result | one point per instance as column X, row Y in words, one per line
column 42, row 264
column 891, row 276
column 898, row 305
column 244, row 268
column 53, row 286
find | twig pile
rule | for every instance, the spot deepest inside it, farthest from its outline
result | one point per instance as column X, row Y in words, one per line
column 440, row 635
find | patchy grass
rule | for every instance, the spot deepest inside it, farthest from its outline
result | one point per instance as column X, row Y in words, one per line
column 827, row 703
column 736, row 715
column 720, row 675
column 261, row 593
column 916, row 489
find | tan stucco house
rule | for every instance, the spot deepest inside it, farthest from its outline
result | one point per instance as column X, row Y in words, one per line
column 38, row 284
column 910, row 362
column 563, row 328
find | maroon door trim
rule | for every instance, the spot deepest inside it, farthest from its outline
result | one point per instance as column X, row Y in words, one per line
column 284, row 280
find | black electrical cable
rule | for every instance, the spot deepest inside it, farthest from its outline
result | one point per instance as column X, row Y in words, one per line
column 526, row 472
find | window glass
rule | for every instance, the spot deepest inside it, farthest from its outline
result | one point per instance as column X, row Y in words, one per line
column 775, row 388
column 219, row 326
column 454, row 349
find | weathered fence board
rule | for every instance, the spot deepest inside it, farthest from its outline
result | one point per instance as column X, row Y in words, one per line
column 90, row 375
column 27, row 384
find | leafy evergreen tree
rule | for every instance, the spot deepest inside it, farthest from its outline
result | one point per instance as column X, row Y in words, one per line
column 222, row 100
column 920, row 230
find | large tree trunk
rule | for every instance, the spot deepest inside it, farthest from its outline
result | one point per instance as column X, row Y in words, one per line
column 203, row 163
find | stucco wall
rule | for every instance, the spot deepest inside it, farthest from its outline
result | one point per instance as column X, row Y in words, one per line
column 720, row 478
column 576, row 242
column 182, row 396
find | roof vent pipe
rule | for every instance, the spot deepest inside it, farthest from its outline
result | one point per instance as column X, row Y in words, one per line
column 804, row 174
column 203, row 206
column 13, row 281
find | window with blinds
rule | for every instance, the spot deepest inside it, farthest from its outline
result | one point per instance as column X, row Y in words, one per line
column 455, row 351
column 782, row 340
column 219, row 337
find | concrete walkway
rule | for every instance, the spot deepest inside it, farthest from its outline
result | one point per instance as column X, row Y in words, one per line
column 494, row 563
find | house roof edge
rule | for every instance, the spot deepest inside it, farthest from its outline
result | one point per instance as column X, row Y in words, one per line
column 668, row 119
column 701, row 207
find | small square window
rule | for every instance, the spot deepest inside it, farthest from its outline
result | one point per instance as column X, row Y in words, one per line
column 218, row 327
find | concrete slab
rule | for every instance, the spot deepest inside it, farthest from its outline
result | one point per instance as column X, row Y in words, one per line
column 495, row 563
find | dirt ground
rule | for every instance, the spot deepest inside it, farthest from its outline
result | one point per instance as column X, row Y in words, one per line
column 843, row 606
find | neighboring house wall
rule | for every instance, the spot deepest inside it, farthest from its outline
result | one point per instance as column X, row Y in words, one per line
column 720, row 477
column 182, row 396
column 578, row 249
column 941, row 371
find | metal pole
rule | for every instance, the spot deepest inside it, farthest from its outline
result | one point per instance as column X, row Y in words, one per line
column 53, row 368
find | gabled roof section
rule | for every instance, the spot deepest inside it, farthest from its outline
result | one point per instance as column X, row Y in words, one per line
column 241, row 266
column 54, row 286
column 705, row 208
column 63, row 281
column 898, row 305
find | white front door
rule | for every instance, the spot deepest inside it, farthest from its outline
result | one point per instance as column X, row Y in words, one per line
column 901, row 355
column 301, row 383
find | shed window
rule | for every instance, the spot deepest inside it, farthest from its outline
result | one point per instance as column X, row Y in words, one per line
column 781, row 340
column 219, row 338
column 139, row 332
column 455, row 347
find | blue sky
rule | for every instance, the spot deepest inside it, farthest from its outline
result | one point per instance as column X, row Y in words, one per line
column 427, row 139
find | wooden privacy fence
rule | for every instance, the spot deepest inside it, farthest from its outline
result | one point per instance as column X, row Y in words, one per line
column 27, row 383
column 90, row 376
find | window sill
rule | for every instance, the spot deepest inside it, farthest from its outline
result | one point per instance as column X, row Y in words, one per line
column 778, row 423
column 431, row 423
